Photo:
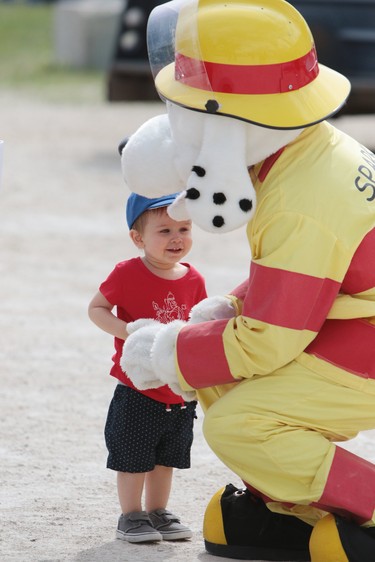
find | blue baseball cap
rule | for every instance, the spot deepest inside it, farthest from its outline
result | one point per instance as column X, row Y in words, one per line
column 136, row 205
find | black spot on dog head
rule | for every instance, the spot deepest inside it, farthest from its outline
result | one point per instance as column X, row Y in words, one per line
column 246, row 205
column 218, row 221
column 192, row 193
column 201, row 172
column 219, row 198
column 212, row 106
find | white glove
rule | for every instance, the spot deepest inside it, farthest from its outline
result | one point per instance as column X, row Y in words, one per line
column 136, row 359
column 148, row 355
column 162, row 357
column 212, row 308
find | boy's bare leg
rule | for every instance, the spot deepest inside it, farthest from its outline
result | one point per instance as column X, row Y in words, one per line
column 130, row 489
column 158, row 484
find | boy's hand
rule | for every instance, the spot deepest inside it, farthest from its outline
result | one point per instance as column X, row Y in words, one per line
column 148, row 355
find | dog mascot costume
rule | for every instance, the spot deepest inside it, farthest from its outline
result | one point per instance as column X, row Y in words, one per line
column 284, row 367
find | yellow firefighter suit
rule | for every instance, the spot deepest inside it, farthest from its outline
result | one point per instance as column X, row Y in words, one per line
column 295, row 369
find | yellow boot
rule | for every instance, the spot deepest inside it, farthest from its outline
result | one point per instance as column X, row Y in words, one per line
column 335, row 539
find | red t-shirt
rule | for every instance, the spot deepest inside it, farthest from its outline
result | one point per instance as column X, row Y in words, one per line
column 138, row 293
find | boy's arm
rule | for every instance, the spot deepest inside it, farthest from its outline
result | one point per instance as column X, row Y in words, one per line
column 100, row 312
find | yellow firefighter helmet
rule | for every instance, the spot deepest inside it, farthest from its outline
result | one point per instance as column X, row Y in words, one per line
column 249, row 59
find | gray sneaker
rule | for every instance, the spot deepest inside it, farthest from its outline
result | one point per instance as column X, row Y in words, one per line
column 136, row 527
column 169, row 525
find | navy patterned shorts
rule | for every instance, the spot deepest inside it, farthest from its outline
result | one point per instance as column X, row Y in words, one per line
column 140, row 433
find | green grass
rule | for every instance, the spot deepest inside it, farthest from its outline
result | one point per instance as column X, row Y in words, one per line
column 27, row 62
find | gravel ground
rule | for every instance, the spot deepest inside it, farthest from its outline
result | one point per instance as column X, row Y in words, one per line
column 62, row 228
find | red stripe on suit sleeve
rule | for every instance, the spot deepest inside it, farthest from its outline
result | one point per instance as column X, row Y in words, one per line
column 348, row 344
column 361, row 273
column 240, row 291
column 201, row 355
column 288, row 299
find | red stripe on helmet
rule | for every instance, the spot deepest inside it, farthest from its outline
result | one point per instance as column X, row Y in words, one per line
column 247, row 79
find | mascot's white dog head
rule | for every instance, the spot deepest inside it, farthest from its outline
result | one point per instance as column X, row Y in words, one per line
column 249, row 71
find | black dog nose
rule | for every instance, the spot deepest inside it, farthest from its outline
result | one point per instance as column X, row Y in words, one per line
column 122, row 145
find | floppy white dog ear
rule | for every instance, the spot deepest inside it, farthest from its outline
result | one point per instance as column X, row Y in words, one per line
column 148, row 160
column 219, row 193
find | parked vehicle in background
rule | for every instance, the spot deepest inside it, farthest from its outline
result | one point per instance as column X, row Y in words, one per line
column 344, row 33
column 129, row 75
